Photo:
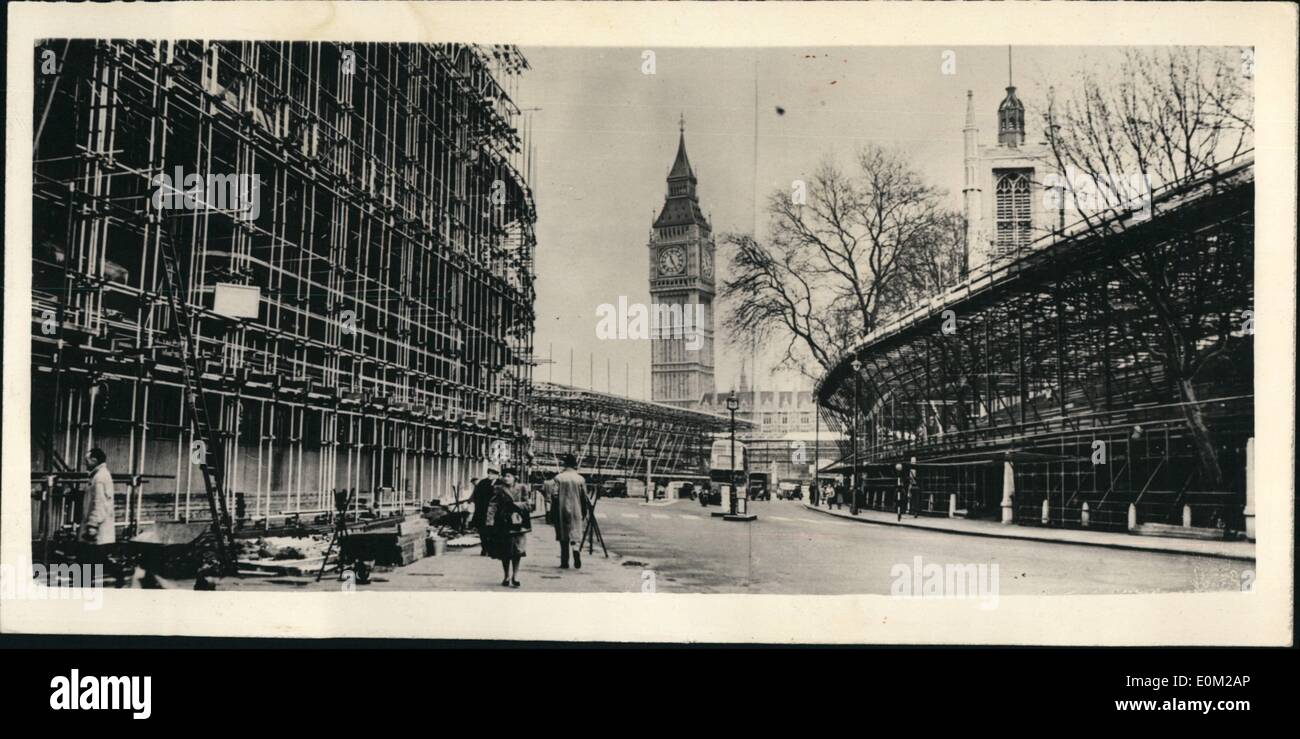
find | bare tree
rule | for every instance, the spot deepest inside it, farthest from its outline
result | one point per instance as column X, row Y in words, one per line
column 841, row 258
column 941, row 263
column 1163, row 119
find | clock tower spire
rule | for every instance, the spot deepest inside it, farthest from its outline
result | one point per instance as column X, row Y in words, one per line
column 681, row 289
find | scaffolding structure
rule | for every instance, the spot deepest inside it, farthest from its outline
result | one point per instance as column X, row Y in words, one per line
column 1051, row 370
column 356, row 244
column 610, row 435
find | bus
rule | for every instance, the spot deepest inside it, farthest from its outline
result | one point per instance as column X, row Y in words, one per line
column 722, row 471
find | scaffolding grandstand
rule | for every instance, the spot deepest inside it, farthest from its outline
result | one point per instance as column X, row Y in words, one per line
column 1102, row 378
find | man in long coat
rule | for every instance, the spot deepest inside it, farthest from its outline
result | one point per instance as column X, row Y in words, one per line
column 479, row 498
column 568, row 494
column 97, row 505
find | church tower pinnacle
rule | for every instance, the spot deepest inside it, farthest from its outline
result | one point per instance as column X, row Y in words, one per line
column 970, row 191
column 1011, row 113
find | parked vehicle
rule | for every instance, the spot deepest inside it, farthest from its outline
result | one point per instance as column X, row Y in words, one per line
column 788, row 491
column 681, row 489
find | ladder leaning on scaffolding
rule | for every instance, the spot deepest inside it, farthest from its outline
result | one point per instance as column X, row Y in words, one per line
column 208, row 457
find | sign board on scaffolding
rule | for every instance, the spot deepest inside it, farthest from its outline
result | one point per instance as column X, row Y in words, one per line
column 236, row 301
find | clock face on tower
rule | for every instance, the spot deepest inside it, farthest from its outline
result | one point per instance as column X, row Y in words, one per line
column 672, row 261
column 706, row 263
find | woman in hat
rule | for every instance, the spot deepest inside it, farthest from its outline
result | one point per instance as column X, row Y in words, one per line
column 508, row 523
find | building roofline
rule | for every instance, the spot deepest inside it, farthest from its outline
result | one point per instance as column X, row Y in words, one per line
column 559, row 389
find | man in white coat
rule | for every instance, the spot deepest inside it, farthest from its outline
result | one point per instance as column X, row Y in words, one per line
column 568, row 493
column 97, row 505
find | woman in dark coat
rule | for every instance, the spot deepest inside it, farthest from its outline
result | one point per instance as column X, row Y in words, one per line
column 508, row 522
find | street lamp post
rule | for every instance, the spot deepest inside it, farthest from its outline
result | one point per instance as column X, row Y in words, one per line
column 732, row 405
column 813, row 491
column 649, row 454
column 853, row 438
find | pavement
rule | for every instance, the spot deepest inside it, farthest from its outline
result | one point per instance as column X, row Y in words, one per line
column 1241, row 550
column 463, row 569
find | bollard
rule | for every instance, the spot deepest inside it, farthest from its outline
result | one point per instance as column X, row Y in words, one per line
column 1132, row 516
column 1083, row 515
column 1045, row 511
column 952, row 505
column 1008, row 492
column 1187, row 516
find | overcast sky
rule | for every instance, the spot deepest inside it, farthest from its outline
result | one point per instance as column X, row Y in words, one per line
column 606, row 134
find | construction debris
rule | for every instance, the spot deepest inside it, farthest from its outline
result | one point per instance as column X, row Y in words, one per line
column 283, row 548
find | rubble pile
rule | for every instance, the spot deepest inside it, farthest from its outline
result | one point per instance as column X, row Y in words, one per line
column 281, row 548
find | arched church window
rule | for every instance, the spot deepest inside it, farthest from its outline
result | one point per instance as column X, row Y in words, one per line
column 1012, row 202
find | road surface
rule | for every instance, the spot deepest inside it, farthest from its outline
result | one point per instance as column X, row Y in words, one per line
column 792, row 550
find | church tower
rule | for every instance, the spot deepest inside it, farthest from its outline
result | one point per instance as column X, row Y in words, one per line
column 1002, row 192
column 681, row 288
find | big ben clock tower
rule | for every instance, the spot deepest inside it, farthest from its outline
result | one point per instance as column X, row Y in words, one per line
column 681, row 278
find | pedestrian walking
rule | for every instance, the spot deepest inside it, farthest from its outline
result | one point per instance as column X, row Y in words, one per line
column 97, row 504
column 914, row 493
column 509, row 520
column 479, row 499
column 569, row 501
